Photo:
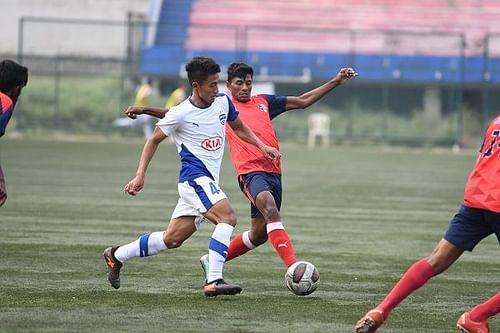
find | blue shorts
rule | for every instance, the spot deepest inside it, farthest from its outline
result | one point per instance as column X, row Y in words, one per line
column 256, row 182
column 470, row 225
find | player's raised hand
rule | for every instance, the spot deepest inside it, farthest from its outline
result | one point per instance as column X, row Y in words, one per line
column 132, row 111
column 345, row 74
column 271, row 152
column 134, row 186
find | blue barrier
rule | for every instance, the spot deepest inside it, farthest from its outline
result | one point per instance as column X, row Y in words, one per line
column 167, row 60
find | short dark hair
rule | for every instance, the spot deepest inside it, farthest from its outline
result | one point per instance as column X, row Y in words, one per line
column 239, row 70
column 12, row 75
column 200, row 68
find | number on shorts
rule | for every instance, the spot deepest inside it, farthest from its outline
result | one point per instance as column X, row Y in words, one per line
column 214, row 188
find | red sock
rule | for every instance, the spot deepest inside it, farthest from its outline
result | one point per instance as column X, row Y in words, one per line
column 281, row 242
column 239, row 245
column 483, row 311
column 415, row 277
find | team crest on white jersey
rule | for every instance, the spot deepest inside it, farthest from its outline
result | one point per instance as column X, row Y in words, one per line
column 222, row 118
column 262, row 107
column 212, row 144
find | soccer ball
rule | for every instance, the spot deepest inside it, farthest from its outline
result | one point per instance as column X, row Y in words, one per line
column 302, row 278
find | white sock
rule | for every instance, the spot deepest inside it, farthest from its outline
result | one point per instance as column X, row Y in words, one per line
column 217, row 250
column 246, row 240
column 274, row 226
column 146, row 245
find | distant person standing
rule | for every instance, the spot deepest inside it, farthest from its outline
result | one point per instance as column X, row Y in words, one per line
column 13, row 78
column 142, row 98
column 178, row 95
column 476, row 219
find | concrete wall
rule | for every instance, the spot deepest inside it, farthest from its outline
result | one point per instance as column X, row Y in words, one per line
column 68, row 38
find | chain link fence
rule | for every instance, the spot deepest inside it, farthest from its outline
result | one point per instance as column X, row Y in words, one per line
column 84, row 88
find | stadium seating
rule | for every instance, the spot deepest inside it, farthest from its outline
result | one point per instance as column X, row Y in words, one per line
column 471, row 16
column 429, row 35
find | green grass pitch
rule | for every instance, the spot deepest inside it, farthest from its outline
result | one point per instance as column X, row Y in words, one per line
column 362, row 215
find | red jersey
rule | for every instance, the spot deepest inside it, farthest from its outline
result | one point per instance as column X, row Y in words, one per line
column 6, row 109
column 257, row 115
column 483, row 186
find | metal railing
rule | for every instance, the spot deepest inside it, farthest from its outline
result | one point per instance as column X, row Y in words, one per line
column 77, row 55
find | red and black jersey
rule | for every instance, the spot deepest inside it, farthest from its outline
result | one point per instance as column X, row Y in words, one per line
column 257, row 115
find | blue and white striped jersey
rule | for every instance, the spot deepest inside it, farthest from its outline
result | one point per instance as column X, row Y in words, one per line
column 199, row 135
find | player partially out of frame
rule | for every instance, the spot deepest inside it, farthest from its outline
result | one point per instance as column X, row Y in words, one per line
column 477, row 218
column 13, row 78
column 197, row 127
column 260, row 178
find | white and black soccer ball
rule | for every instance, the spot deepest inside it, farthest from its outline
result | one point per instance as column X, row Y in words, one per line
column 302, row 278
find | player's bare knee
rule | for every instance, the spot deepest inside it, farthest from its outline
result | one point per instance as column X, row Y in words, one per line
column 443, row 256
column 437, row 267
column 171, row 241
column 439, row 262
column 229, row 218
column 269, row 211
column 273, row 214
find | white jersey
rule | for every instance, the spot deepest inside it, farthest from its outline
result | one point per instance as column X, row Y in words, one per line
column 199, row 135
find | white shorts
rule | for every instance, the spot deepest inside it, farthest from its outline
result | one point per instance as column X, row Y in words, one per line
column 197, row 197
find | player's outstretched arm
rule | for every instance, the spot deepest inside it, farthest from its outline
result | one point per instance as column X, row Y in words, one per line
column 133, row 111
column 137, row 183
column 309, row 98
column 247, row 135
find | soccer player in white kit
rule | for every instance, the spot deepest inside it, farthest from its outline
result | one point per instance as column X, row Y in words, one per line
column 197, row 127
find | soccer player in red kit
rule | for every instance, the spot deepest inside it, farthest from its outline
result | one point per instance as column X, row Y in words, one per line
column 477, row 218
column 13, row 78
column 260, row 180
